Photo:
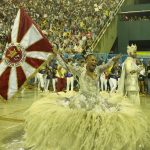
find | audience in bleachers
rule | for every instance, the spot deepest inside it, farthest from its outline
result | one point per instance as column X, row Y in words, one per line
column 71, row 25
column 134, row 18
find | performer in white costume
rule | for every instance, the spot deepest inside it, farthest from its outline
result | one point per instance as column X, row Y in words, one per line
column 86, row 121
column 103, row 82
column 40, row 78
column 129, row 76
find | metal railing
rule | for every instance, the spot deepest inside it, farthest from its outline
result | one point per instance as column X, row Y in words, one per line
column 106, row 56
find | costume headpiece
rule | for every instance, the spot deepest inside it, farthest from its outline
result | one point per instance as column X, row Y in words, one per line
column 89, row 52
column 132, row 48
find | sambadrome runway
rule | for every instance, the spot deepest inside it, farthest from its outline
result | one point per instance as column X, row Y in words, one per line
column 12, row 116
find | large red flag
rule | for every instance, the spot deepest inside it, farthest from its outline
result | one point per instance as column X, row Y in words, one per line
column 28, row 50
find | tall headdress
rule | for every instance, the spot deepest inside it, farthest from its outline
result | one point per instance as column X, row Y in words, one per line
column 131, row 49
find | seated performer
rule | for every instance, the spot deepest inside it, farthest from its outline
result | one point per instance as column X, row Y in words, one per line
column 86, row 121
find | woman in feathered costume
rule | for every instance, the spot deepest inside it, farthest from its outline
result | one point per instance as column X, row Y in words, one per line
column 87, row 120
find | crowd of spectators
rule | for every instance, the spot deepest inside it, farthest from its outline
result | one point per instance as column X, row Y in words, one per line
column 71, row 25
column 135, row 18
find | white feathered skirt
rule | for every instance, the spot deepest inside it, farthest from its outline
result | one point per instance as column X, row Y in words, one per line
column 51, row 126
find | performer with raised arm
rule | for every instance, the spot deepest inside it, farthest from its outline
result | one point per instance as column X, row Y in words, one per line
column 88, row 121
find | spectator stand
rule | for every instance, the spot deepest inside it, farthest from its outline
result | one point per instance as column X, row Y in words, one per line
column 102, row 32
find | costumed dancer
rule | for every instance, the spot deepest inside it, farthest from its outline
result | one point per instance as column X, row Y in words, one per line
column 48, row 79
column 129, row 77
column 113, row 77
column 70, row 79
column 103, row 81
column 40, row 78
column 54, row 77
column 86, row 121
column 141, row 78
